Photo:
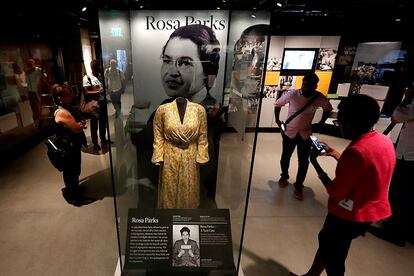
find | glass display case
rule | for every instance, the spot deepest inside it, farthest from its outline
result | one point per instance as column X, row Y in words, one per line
column 184, row 129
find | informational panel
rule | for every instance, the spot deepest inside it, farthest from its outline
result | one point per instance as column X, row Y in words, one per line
column 179, row 242
column 378, row 92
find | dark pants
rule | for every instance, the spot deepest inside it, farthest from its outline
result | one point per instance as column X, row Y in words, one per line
column 72, row 171
column 335, row 240
column 304, row 149
column 401, row 224
column 116, row 100
column 102, row 121
column 35, row 105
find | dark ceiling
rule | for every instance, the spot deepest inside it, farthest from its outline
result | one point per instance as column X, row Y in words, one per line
column 360, row 18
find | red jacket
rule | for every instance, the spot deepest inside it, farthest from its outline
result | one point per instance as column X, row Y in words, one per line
column 363, row 175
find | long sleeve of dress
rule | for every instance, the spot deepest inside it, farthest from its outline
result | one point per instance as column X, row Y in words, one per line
column 158, row 145
column 202, row 144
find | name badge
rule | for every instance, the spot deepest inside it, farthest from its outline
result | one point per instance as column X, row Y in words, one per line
column 186, row 247
column 347, row 204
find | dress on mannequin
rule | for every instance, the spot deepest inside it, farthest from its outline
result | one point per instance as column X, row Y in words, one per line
column 180, row 145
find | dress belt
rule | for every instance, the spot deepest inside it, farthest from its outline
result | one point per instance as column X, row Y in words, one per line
column 181, row 145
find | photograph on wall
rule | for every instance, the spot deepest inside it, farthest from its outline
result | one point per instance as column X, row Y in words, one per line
column 346, row 54
column 186, row 246
column 287, row 82
column 326, row 59
column 178, row 53
column 270, row 91
column 274, row 63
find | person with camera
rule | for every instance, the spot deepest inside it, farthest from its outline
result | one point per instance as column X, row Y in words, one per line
column 302, row 107
column 69, row 131
column 358, row 195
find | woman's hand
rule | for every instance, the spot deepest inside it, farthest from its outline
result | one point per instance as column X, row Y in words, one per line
column 330, row 151
column 181, row 253
column 314, row 154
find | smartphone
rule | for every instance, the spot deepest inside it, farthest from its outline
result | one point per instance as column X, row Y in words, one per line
column 282, row 126
column 317, row 144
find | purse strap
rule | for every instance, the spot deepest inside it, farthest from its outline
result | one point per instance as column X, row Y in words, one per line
column 303, row 108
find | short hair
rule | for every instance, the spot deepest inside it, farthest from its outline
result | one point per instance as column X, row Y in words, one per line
column 95, row 65
column 311, row 77
column 359, row 111
column 58, row 91
column 260, row 31
column 185, row 229
column 203, row 37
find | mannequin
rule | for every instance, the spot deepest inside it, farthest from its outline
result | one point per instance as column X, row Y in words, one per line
column 180, row 146
column 181, row 105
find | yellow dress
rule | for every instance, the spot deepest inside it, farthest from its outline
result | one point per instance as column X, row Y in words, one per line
column 179, row 148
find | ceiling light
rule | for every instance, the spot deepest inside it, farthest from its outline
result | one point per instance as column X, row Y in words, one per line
column 84, row 9
column 254, row 8
column 224, row 1
column 253, row 16
column 279, row 4
column 397, row 19
column 218, row 8
column 141, row 7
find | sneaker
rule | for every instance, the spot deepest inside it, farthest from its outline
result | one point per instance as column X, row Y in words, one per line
column 283, row 182
column 298, row 194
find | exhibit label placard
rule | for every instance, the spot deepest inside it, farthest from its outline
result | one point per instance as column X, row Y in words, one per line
column 183, row 241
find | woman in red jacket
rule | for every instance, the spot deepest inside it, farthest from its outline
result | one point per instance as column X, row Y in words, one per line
column 358, row 195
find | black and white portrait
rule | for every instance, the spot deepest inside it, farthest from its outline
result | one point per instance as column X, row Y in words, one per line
column 326, row 59
column 274, row 63
column 186, row 250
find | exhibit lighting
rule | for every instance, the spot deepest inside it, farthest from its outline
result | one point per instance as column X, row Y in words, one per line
column 218, row 8
column 253, row 16
column 279, row 4
column 141, row 7
column 84, row 9
column 397, row 19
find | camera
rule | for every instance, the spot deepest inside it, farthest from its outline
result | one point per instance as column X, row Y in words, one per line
column 316, row 144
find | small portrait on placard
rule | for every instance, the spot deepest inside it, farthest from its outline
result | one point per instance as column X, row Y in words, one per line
column 186, row 251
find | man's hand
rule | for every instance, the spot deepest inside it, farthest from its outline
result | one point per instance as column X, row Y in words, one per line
column 278, row 122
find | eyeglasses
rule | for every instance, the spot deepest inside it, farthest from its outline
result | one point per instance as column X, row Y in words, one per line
column 184, row 64
column 336, row 123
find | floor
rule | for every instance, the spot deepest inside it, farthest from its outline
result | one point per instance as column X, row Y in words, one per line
column 40, row 234
column 281, row 232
